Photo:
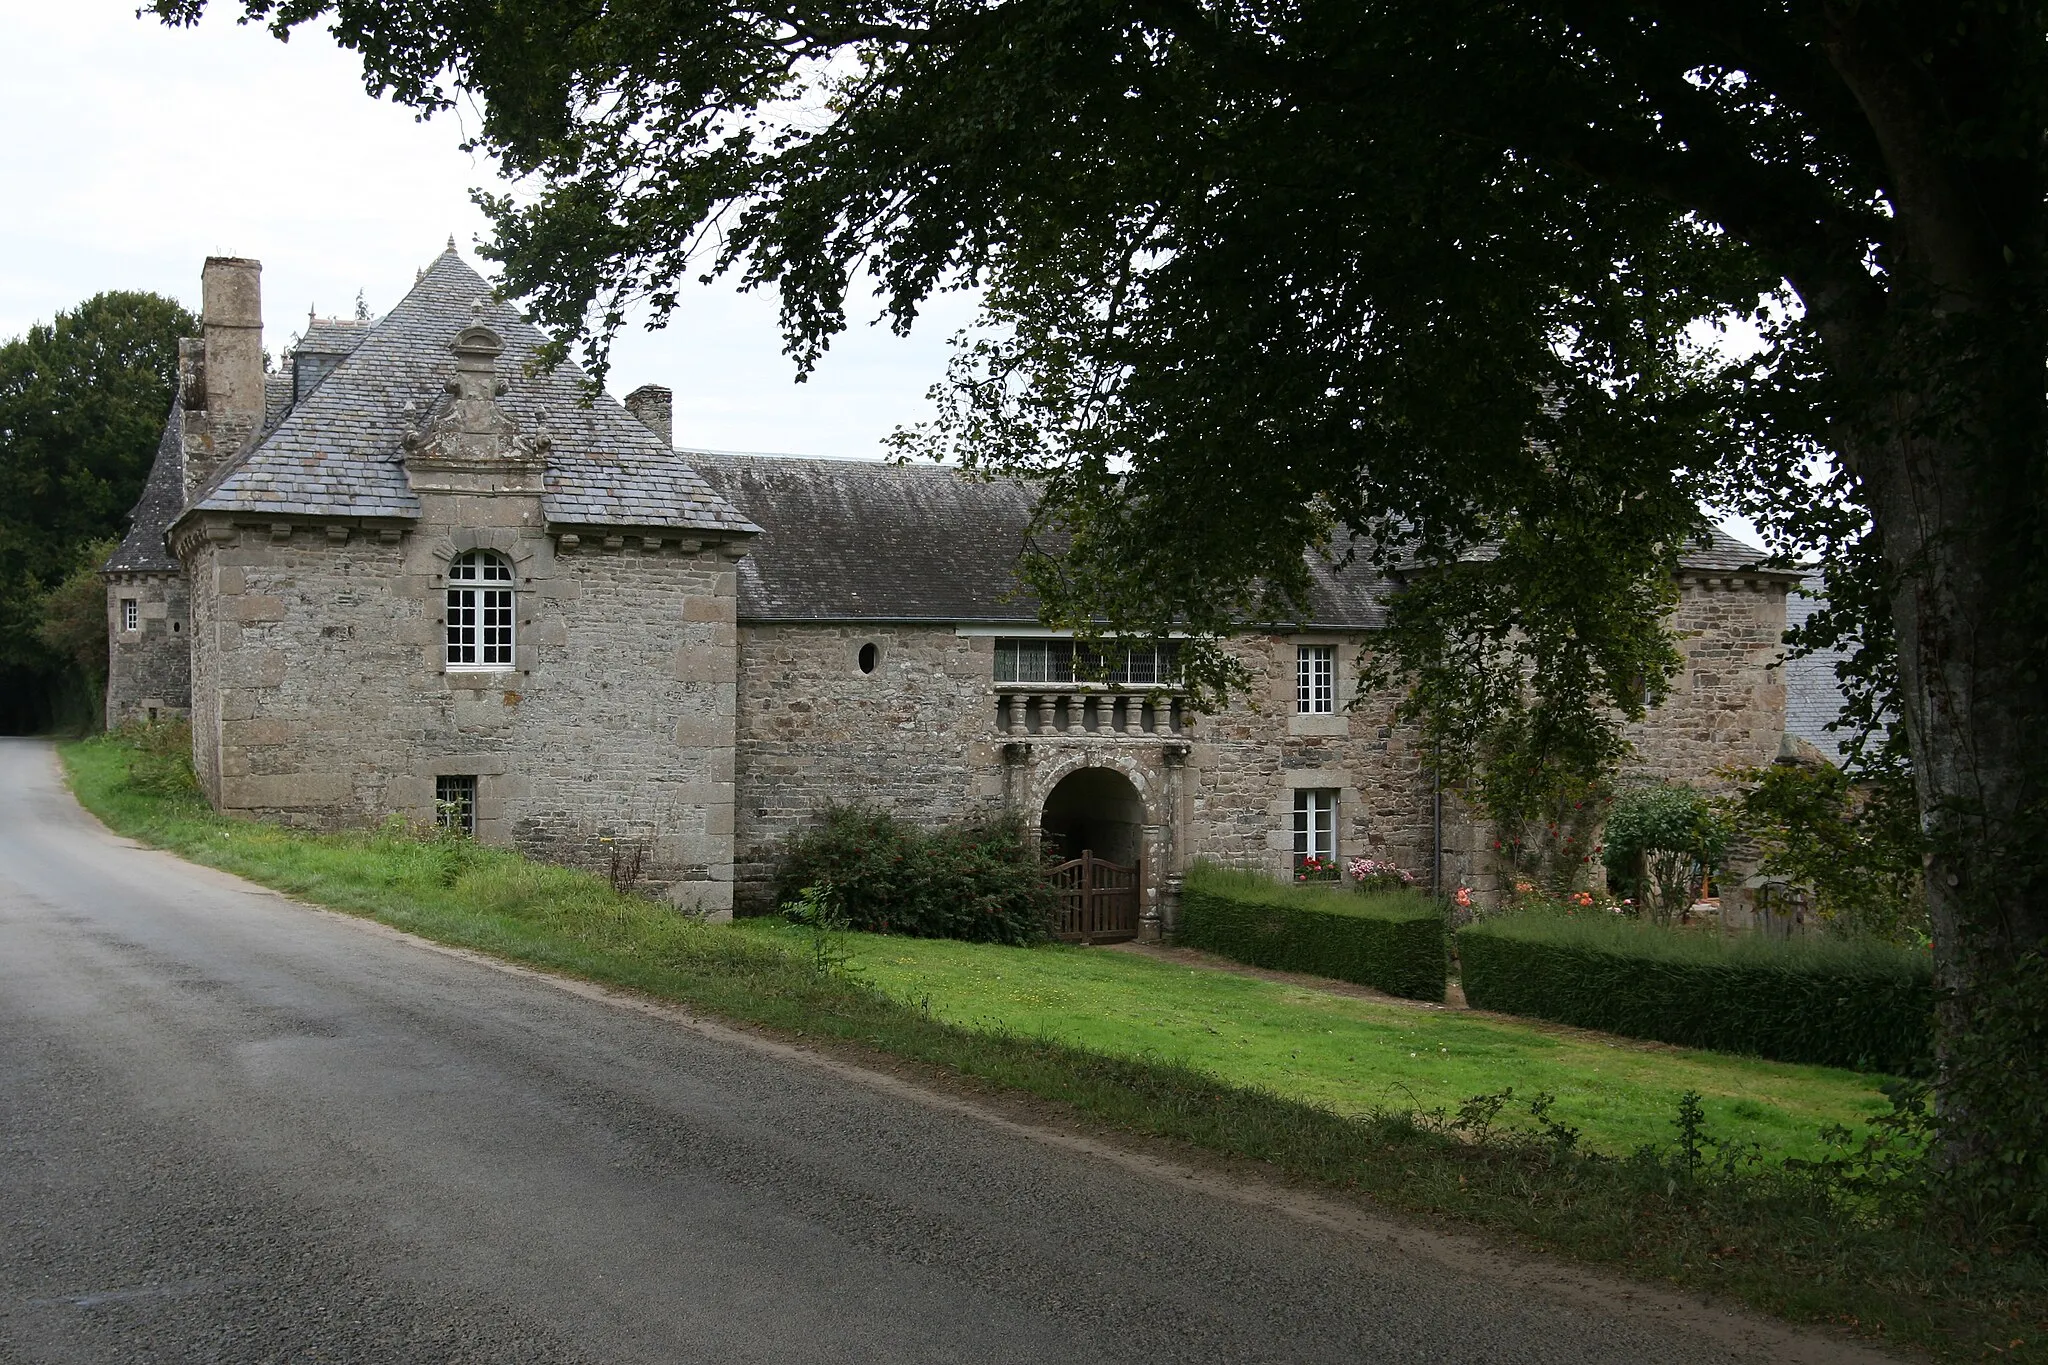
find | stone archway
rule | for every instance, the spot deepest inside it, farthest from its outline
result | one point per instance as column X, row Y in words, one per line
column 1094, row 810
column 1093, row 826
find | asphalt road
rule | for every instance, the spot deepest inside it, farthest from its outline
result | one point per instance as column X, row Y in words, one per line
column 236, row 1129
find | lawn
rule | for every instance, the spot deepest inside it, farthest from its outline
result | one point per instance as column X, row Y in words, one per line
column 1346, row 1054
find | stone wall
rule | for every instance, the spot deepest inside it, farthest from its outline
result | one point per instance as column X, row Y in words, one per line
column 1726, row 709
column 1727, row 704
column 915, row 736
column 920, row 736
column 149, row 669
column 1248, row 762
column 323, row 698
column 637, row 708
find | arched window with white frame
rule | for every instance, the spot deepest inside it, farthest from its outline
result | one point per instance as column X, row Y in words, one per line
column 480, row 611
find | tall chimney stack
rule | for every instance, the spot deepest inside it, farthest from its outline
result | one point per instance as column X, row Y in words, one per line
column 655, row 407
column 230, row 379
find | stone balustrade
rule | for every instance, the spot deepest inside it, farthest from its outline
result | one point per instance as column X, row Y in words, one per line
column 1040, row 709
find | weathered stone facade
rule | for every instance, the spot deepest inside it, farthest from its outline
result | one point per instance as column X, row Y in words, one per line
column 317, row 524
column 1727, row 704
column 325, row 697
column 149, row 664
column 695, row 654
column 931, row 734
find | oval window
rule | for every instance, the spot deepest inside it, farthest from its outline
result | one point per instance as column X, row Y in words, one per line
column 869, row 657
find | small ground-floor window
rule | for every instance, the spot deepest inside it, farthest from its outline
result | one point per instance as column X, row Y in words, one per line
column 455, row 803
column 1315, row 835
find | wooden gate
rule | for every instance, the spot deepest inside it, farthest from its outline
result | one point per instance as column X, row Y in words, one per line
column 1098, row 900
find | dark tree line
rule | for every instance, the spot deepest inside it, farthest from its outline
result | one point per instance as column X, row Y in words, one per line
column 82, row 402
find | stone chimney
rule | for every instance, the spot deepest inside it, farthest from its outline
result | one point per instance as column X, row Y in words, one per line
column 655, row 407
column 224, row 373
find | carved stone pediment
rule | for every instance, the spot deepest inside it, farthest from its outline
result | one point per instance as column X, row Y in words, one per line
column 467, row 442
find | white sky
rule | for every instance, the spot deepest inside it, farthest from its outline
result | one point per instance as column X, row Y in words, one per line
column 135, row 151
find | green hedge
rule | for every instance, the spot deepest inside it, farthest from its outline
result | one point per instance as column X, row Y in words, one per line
column 1391, row 941
column 1868, row 1006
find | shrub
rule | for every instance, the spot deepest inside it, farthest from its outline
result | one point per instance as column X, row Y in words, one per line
column 1864, row 1005
column 879, row 874
column 1391, row 941
column 160, row 761
column 1660, row 841
column 1857, row 844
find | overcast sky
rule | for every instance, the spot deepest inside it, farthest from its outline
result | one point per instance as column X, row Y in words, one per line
column 136, row 151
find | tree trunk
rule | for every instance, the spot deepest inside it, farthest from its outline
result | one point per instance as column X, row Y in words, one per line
column 1956, row 505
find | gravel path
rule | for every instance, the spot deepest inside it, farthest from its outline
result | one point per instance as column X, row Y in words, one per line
column 233, row 1128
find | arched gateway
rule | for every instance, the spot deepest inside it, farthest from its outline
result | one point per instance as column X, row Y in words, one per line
column 1094, row 823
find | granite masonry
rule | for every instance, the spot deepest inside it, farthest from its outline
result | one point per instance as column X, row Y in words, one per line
column 410, row 573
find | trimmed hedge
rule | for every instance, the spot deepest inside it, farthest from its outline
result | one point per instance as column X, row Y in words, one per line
column 1865, row 1006
column 1391, row 941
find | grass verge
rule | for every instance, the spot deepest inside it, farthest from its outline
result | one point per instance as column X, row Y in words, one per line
column 1349, row 1055
column 1772, row 1242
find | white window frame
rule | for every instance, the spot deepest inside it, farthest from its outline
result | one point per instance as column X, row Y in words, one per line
column 131, row 614
column 1315, row 680
column 478, row 630
column 1315, row 826
column 1059, row 662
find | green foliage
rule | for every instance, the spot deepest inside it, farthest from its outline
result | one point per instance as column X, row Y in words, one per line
column 1391, row 941
column 1869, row 1006
column 1856, row 844
column 977, row 882
column 73, row 628
column 160, row 762
column 1889, row 1166
column 82, row 403
column 1992, row 1071
column 1548, row 834
column 1661, row 839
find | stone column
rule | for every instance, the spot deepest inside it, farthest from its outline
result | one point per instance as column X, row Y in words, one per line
column 1017, row 784
column 1163, row 898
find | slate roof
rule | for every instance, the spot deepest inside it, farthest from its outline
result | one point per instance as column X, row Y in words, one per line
column 1719, row 550
column 277, row 396
column 338, row 454
column 163, row 498
column 858, row 540
column 1813, row 695
column 333, row 336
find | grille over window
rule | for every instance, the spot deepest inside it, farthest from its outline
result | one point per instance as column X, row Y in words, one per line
column 455, row 803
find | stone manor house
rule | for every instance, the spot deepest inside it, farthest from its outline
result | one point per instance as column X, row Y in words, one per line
column 400, row 573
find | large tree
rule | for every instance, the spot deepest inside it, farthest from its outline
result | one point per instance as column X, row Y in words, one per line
column 1429, row 271
column 82, row 402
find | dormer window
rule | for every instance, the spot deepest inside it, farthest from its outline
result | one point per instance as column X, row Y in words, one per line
column 480, row 611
